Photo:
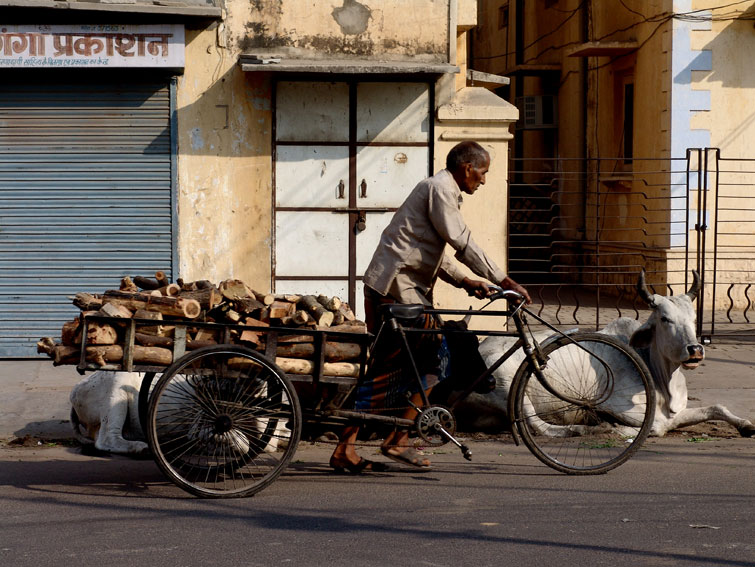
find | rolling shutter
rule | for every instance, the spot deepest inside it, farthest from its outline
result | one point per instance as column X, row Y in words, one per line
column 85, row 198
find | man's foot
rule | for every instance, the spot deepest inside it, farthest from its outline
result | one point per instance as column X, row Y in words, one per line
column 407, row 456
column 341, row 467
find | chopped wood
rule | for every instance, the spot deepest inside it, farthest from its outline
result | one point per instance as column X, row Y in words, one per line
column 329, row 303
column 345, row 328
column 63, row 354
column 303, row 366
column 194, row 345
column 70, row 334
column 338, row 318
column 334, row 352
column 235, row 289
column 264, row 298
column 117, row 311
column 101, row 333
column 127, row 284
column 146, row 283
column 161, row 278
column 170, row 290
column 301, row 317
column 87, row 301
column 46, row 345
column 204, row 334
column 347, row 313
column 152, row 316
column 203, row 284
column 174, row 306
column 250, row 335
column 279, row 309
column 145, row 339
column 248, row 305
column 208, row 297
column 291, row 298
column 321, row 316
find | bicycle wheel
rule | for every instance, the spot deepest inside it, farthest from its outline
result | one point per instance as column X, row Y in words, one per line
column 223, row 422
column 593, row 408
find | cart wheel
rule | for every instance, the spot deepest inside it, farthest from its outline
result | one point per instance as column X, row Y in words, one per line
column 223, row 422
column 593, row 408
column 143, row 406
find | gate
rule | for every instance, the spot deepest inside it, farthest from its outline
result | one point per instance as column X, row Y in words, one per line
column 580, row 232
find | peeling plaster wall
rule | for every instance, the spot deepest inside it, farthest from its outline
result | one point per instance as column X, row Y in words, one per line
column 389, row 29
column 224, row 168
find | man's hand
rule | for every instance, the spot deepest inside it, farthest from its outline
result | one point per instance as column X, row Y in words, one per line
column 476, row 287
column 508, row 283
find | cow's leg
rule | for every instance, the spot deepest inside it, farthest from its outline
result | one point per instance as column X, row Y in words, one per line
column 693, row 416
column 110, row 436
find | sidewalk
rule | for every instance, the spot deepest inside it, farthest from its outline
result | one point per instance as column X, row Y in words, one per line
column 34, row 393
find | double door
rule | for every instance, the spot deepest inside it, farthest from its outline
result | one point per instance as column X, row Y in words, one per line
column 346, row 156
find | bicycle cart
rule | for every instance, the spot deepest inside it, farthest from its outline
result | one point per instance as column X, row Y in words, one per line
column 225, row 420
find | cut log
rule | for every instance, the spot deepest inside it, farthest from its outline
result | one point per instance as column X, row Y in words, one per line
column 329, row 303
column 347, row 313
column 46, row 345
column 128, row 285
column 70, row 334
column 145, row 283
column 62, row 354
column 116, row 311
column 279, row 309
column 248, row 305
column 334, row 352
column 151, row 316
column 174, row 306
column 257, row 338
column 87, row 301
column 301, row 317
column 345, row 328
column 101, row 334
column 264, row 298
column 170, row 290
column 302, row 366
column 290, row 297
column 321, row 316
column 161, row 278
column 101, row 355
column 208, row 297
column 235, row 289
column 145, row 339
column 338, row 318
column 206, row 335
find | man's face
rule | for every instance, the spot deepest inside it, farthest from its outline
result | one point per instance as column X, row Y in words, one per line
column 474, row 176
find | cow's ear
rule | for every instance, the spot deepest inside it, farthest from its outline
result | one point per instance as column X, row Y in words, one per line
column 642, row 337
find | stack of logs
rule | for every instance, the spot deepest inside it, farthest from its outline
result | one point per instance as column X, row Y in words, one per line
column 165, row 303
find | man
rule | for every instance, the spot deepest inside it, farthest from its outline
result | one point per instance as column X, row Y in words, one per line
column 407, row 262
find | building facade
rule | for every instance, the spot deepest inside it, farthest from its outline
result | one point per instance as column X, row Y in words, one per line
column 635, row 144
column 268, row 141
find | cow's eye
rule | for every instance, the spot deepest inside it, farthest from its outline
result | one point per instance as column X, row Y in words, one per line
column 665, row 319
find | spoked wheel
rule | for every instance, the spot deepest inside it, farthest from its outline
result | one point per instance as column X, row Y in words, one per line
column 223, row 422
column 593, row 409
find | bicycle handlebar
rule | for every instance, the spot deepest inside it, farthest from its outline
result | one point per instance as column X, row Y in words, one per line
column 507, row 294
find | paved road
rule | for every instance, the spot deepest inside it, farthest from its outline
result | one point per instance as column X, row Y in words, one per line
column 687, row 501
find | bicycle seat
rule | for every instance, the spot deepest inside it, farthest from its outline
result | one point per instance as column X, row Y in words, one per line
column 404, row 312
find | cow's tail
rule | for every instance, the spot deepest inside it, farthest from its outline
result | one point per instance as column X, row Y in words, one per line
column 87, row 444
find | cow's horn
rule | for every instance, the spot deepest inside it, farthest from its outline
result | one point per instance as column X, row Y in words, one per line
column 467, row 318
column 695, row 287
column 642, row 289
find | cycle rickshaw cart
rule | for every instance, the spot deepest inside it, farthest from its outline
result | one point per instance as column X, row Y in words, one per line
column 224, row 420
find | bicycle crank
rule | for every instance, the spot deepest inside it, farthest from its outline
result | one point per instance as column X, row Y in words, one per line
column 436, row 425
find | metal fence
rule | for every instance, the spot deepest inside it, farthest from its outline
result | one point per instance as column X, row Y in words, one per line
column 580, row 232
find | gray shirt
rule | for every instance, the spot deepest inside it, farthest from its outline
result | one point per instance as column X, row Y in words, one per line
column 411, row 250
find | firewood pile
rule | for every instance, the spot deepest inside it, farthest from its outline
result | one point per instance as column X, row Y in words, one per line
column 163, row 310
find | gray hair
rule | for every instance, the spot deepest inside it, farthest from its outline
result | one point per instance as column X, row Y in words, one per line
column 466, row 152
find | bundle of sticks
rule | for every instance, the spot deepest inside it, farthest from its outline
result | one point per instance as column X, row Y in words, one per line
column 157, row 305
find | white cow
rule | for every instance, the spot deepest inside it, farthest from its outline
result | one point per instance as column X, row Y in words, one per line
column 666, row 341
column 105, row 413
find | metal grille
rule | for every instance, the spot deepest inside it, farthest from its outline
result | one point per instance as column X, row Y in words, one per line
column 580, row 231
column 85, row 198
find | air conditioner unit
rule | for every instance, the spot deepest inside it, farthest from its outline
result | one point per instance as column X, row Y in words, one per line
column 537, row 112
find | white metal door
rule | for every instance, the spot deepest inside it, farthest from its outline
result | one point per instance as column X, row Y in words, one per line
column 347, row 155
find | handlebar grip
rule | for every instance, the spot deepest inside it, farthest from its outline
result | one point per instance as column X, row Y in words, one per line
column 507, row 294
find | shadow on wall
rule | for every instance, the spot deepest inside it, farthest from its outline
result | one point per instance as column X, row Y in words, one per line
column 232, row 118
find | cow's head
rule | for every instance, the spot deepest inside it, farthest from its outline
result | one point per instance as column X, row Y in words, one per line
column 670, row 330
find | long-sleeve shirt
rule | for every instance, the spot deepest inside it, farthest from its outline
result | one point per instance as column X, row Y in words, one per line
column 411, row 250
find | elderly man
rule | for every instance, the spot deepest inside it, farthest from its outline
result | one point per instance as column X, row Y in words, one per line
column 404, row 268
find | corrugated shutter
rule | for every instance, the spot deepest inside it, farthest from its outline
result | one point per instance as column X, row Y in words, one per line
column 85, row 198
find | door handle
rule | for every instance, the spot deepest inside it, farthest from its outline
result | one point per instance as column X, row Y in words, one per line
column 363, row 189
column 361, row 223
column 341, row 189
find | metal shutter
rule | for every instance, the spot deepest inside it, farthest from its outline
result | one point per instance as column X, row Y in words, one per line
column 85, row 198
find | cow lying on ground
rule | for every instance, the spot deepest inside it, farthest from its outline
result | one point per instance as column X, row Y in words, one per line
column 105, row 414
column 666, row 341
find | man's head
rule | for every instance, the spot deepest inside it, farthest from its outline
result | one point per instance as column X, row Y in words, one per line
column 468, row 162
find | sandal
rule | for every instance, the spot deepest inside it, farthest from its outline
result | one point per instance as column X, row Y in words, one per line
column 358, row 468
column 408, row 456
